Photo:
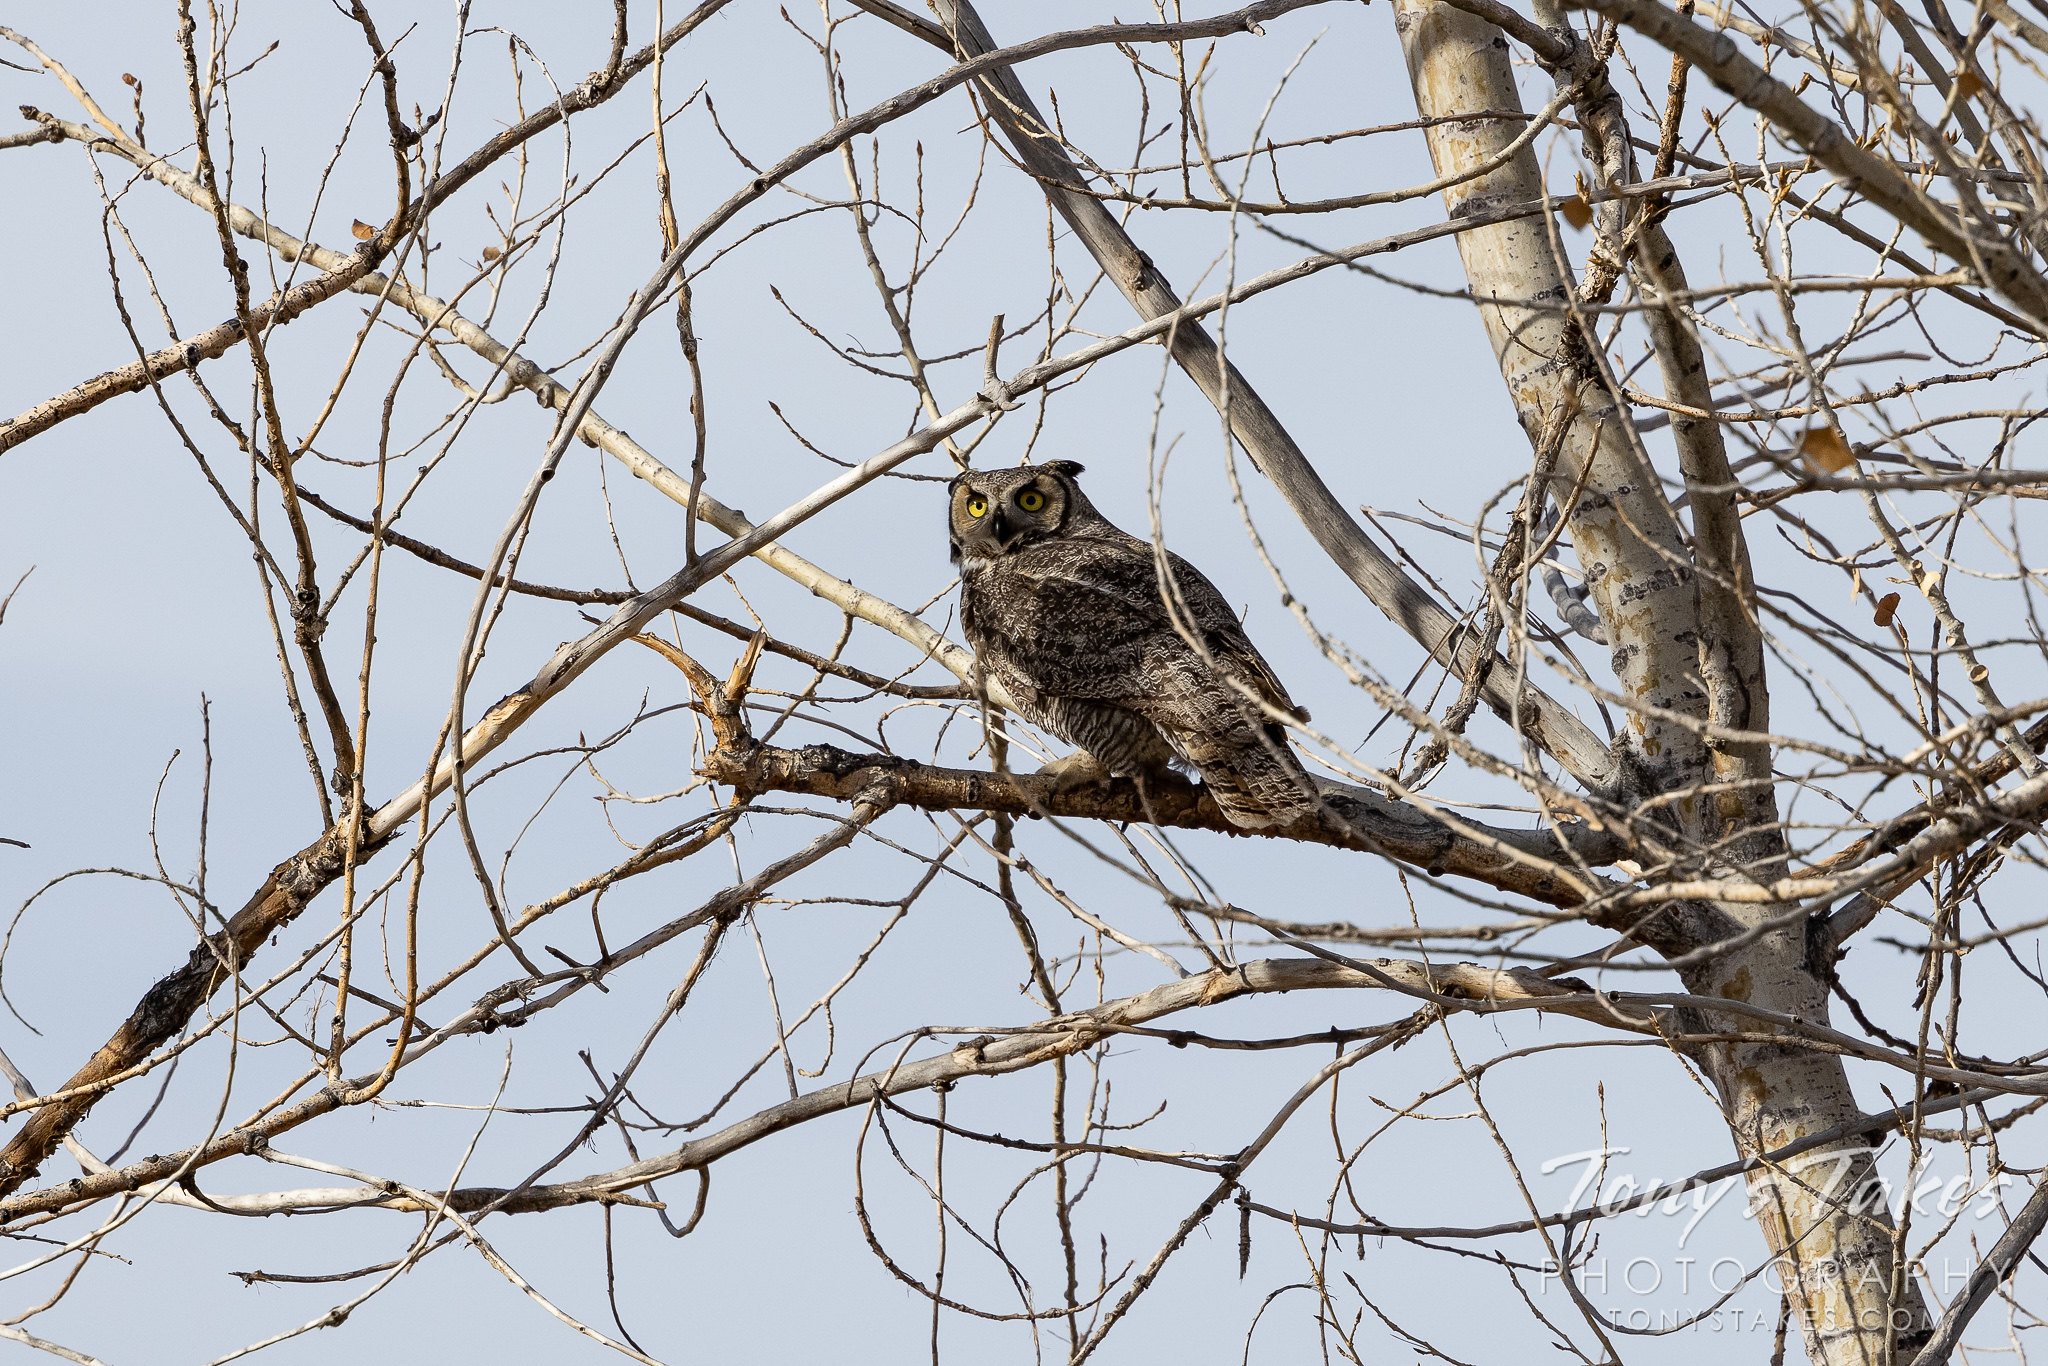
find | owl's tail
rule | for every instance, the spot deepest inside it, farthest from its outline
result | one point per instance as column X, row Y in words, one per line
column 1244, row 759
column 1259, row 787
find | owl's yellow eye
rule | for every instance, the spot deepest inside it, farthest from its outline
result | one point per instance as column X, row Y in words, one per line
column 1031, row 500
column 977, row 506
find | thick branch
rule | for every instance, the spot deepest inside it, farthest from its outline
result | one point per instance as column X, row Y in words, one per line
column 1742, row 822
column 1837, row 1262
column 1527, row 862
column 1062, row 1037
column 166, row 1007
column 983, row 1056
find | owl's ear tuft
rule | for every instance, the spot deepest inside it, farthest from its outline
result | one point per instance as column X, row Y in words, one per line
column 1069, row 468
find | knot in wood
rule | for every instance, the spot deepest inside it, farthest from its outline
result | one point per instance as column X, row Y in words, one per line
column 969, row 1054
column 842, row 763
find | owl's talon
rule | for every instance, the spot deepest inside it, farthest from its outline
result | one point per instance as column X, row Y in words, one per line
column 1079, row 769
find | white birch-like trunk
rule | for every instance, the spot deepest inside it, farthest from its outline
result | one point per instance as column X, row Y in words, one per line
column 1835, row 1258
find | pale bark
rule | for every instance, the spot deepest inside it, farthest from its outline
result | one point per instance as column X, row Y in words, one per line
column 1838, row 1262
column 1626, row 537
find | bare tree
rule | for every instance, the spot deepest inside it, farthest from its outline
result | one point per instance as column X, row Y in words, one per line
column 1654, row 787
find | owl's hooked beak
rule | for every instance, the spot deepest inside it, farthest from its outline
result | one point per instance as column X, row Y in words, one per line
column 989, row 537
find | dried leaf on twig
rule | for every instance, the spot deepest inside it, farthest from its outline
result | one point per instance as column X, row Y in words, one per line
column 1826, row 451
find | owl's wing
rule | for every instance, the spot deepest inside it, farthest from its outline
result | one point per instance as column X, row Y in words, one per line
column 1074, row 619
column 1087, row 618
column 1225, row 637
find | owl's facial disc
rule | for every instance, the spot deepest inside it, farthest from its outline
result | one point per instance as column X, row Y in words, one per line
column 985, row 525
column 998, row 513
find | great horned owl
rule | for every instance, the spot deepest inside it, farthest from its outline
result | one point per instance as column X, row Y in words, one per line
column 1066, row 610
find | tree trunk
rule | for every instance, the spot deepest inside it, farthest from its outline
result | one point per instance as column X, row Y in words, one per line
column 1687, row 648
